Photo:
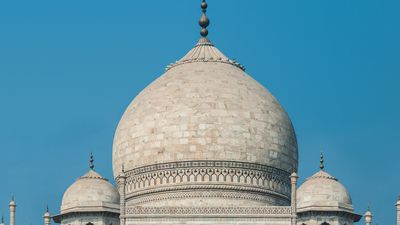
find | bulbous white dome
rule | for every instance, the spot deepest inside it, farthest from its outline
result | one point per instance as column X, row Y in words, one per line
column 91, row 191
column 206, row 118
column 323, row 192
column 205, row 111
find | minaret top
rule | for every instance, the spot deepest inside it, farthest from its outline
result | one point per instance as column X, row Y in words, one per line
column 204, row 21
column 91, row 164
column 12, row 202
column 368, row 215
column 47, row 213
column 321, row 161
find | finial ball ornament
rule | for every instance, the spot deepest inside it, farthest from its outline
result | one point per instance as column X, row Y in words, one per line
column 204, row 5
column 91, row 161
column 321, row 161
column 204, row 22
column 204, row 32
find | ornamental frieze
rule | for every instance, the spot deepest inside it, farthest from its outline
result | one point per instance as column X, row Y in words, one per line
column 235, row 211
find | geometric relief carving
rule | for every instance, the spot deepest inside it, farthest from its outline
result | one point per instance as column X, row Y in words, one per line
column 203, row 172
column 266, row 199
column 274, row 210
column 309, row 215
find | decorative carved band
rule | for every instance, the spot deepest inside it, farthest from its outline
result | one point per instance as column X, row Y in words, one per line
column 307, row 215
column 208, row 175
column 59, row 218
column 206, row 163
column 208, row 191
column 234, row 211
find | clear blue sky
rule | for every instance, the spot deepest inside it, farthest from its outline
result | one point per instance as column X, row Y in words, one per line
column 69, row 68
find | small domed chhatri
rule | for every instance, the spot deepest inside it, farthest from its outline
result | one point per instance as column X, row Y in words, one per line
column 205, row 123
column 90, row 190
column 90, row 193
column 323, row 190
column 325, row 194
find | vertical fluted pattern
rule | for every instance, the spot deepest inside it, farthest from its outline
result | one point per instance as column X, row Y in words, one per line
column 121, row 189
column 293, row 181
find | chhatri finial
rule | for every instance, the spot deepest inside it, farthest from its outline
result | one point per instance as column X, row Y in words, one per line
column 321, row 161
column 91, row 161
column 204, row 21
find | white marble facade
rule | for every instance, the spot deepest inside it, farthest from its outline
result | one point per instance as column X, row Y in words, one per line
column 205, row 144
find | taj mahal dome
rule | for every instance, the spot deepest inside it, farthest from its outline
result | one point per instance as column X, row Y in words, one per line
column 205, row 144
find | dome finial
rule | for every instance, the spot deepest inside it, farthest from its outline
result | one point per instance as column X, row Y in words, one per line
column 321, row 161
column 91, row 164
column 204, row 21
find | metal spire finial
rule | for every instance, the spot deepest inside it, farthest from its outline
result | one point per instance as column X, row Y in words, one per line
column 91, row 164
column 47, row 208
column 204, row 21
column 321, row 161
column 2, row 219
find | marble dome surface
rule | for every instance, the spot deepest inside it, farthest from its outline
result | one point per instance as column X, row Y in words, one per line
column 323, row 192
column 205, row 107
column 91, row 191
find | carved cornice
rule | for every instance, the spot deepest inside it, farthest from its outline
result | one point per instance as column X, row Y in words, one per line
column 337, row 213
column 59, row 218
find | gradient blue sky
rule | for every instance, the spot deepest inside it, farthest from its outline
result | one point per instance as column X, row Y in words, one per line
column 68, row 69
